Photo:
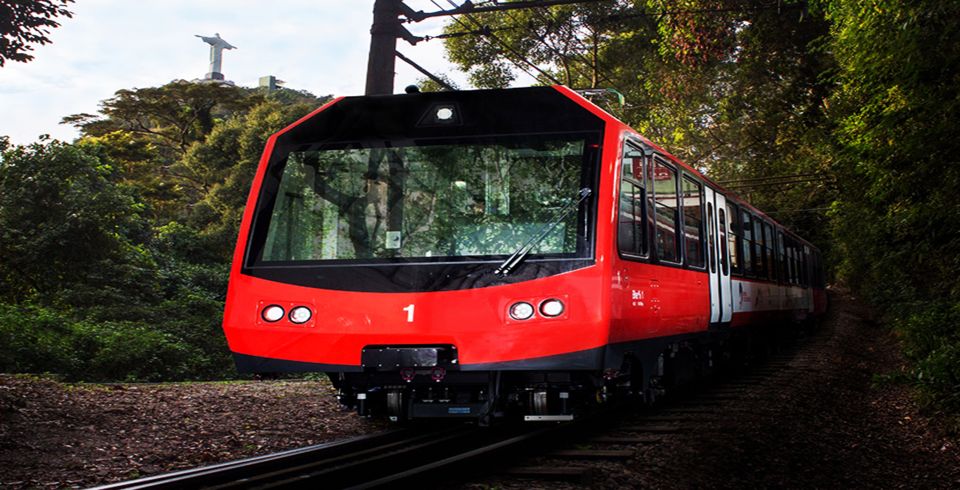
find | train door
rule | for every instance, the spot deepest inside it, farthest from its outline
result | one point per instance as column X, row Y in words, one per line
column 716, row 300
column 723, row 265
column 636, row 313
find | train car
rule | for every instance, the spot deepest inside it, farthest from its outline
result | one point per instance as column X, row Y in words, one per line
column 491, row 253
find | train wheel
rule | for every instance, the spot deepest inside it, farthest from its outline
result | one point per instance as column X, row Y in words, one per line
column 395, row 406
column 539, row 403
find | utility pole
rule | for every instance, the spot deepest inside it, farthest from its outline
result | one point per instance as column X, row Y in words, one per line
column 383, row 46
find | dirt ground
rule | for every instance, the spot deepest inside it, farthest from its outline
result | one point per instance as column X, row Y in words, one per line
column 820, row 420
column 824, row 422
column 63, row 435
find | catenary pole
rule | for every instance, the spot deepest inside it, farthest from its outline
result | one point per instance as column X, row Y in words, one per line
column 383, row 47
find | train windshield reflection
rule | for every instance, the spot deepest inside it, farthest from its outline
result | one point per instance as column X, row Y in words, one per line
column 400, row 201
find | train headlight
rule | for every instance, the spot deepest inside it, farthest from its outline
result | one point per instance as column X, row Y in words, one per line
column 272, row 313
column 300, row 314
column 521, row 311
column 551, row 307
column 444, row 114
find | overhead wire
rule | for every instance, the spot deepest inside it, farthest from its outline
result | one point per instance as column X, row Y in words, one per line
column 489, row 32
column 805, row 210
column 504, row 45
column 774, row 177
column 594, row 65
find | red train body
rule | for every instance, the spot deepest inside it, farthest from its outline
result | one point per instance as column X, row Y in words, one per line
column 392, row 219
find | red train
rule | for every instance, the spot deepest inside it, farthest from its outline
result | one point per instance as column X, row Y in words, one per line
column 484, row 253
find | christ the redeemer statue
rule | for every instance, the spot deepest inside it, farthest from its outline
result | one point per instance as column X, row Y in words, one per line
column 217, row 45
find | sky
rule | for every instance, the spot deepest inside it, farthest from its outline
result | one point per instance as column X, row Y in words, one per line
column 315, row 45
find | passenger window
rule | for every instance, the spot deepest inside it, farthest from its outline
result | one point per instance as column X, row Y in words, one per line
column 784, row 276
column 805, row 267
column 664, row 182
column 632, row 221
column 747, row 226
column 711, row 238
column 793, row 262
column 771, row 259
column 759, row 261
column 733, row 238
column 693, row 221
column 724, row 267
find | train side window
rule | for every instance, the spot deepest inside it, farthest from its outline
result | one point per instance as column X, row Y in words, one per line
column 747, row 227
column 796, row 264
column 664, row 182
column 792, row 250
column 805, row 257
column 759, row 261
column 711, row 238
column 632, row 223
column 771, row 257
column 724, row 264
column 733, row 237
column 781, row 252
column 692, row 192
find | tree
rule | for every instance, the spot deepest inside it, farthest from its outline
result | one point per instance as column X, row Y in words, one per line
column 65, row 224
column 26, row 23
column 148, row 131
column 228, row 158
column 897, row 140
column 555, row 45
column 172, row 116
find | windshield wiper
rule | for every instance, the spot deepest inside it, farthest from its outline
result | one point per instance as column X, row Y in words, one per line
column 514, row 260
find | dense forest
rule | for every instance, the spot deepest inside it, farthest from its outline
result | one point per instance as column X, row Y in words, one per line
column 836, row 116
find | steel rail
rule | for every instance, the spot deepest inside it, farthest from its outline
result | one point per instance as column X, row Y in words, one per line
column 205, row 476
column 361, row 462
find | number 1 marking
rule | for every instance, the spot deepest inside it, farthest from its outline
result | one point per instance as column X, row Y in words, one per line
column 409, row 310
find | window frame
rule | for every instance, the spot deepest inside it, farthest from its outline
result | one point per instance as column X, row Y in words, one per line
column 723, row 237
column 683, row 217
column 733, row 229
column 759, row 251
column 749, row 269
column 645, row 256
column 677, row 222
column 770, row 253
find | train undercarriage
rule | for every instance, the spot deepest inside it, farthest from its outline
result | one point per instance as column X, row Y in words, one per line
column 404, row 383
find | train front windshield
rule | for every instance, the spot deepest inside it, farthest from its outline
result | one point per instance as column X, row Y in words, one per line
column 385, row 201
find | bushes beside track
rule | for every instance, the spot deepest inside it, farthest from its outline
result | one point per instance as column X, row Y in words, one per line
column 40, row 340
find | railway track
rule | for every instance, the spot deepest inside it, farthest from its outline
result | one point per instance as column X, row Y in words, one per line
column 625, row 444
column 573, row 451
column 362, row 462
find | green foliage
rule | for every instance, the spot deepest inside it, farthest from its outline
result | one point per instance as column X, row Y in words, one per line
column 36, row 340
column 39, row 340
column 117, row 247
column 560, row 44
column 230, row 156
column 24, row 24
column 898, row 224
column 64, row 222
column 931, row 338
